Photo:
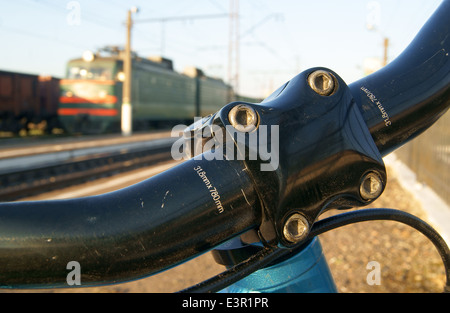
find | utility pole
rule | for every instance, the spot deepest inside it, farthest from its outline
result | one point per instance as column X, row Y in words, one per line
column 127, row 108
column 386, row 46
column 373, row 21
column 233, row 45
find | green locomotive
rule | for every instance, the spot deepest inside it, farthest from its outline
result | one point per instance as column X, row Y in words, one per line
column 91, row 93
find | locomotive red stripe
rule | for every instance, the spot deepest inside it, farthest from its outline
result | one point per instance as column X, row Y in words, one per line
column 96, row 112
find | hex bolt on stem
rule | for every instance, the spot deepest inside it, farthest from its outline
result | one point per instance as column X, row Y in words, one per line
column 243, row 118
column 296, row 228
column 322, row 82
column 371, row 186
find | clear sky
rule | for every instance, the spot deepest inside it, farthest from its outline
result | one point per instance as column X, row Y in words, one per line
column 278, row 38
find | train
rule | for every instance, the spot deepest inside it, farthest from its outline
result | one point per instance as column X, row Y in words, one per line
column 28, row 103
column 88, row 99
column 91, row 93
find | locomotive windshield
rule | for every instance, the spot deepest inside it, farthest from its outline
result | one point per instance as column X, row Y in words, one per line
column 79, row 72
column 91, row 70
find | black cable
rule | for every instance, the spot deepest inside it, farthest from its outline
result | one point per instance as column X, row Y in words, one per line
column 391, row 215
column 237, row 272
column 269, row 254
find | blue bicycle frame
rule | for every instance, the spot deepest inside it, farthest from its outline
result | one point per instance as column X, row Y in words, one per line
column 306, row 272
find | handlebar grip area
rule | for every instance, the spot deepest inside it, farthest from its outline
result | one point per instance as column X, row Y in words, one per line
column 130, row 233
column 407, row 96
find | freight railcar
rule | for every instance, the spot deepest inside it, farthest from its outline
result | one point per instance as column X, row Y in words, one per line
column 91, row 93
column 28, row 101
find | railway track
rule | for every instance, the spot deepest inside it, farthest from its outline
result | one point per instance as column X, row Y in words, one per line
column 33, row 174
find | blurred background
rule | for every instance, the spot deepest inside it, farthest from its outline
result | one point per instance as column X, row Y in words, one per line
column 263, row 43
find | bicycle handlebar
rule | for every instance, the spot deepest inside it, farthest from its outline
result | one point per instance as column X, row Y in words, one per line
column 404, row 98
column 328, row 145
column 129, row 233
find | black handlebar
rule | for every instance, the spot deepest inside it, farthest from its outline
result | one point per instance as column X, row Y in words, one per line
column 408, row 95
column 129, row 233
column 325, row 150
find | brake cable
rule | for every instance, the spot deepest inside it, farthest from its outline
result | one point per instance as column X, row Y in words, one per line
column 270, row 254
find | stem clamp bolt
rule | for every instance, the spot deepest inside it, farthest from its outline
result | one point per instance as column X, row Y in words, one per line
column 322, row 82
column 296, row 228
column 371, row 186
column 243, row 118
